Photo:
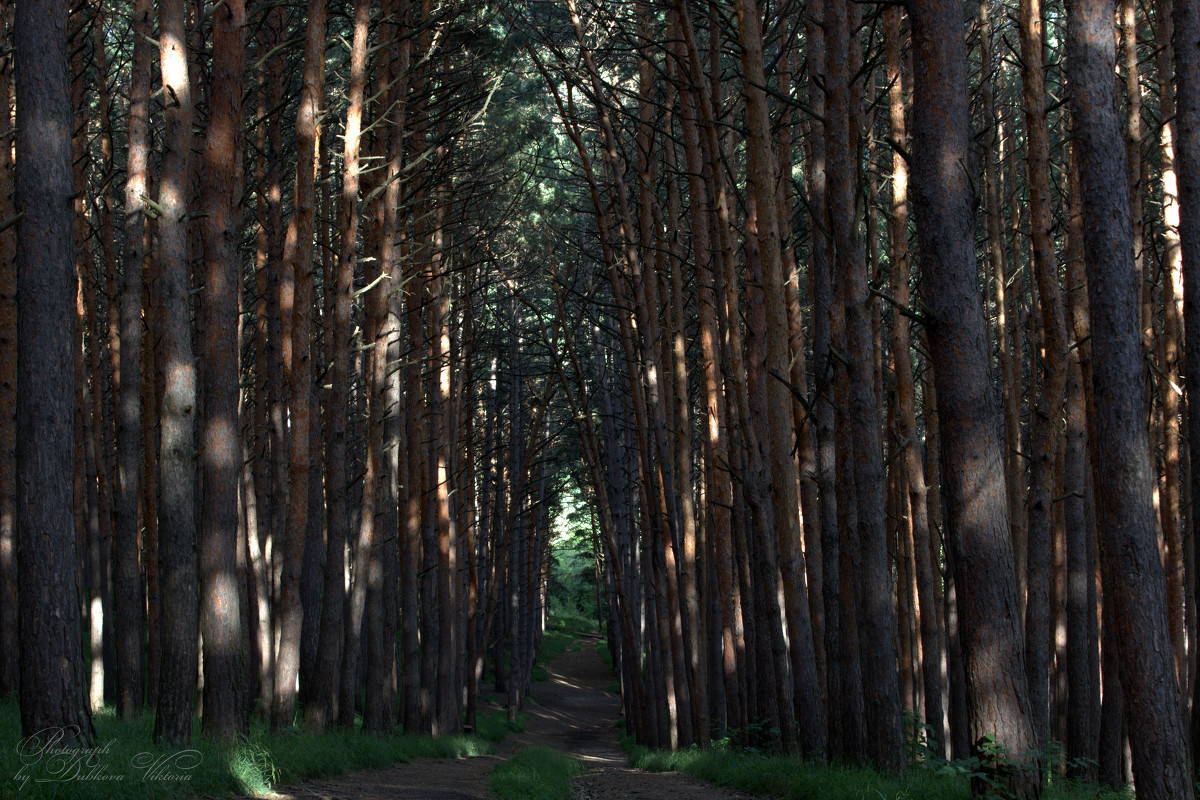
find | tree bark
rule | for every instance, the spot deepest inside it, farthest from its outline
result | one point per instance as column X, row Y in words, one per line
column 51, row 680
column 9, row 617
column 1186, row 16
column 969, row 419
column 296, row 357
column 878, row 618
column 220, row 618
column 1124, row 479
column 1047, row 419
column 177, row 463
column 926, row 566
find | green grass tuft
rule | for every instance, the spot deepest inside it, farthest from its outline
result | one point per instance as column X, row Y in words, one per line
column 494, row 726
column 605, row 654
column 796, row 779
column 554, row 644
column 535, row 773
column 126, row 764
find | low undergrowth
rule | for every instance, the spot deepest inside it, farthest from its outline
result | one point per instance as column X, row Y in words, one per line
column 794, row 778
column 124, row 762
column 560, row 633
column 495, row 726
column 535, row 773
column 604, row 653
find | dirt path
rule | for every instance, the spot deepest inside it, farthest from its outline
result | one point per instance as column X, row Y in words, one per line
column 574, row 713
column 571, row 712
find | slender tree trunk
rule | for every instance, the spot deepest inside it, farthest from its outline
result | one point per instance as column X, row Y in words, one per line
column 1047, row 430
column 129, row 613
column 177, row 463
column 150, row 443
column 220, row 434
column 1186, row 16
column 914, row 472
column 1170, row 512
column 296, row 358
column 322, row 706
column 715, row 444
column 878, row 618
column 9, row 617
column 992, row 194
column 1083, row 679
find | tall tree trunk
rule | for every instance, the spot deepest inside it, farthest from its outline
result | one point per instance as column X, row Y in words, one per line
column 177, row 463
column 51, row 680
column 9, row 617
column 1009, row 358
column 1186, row 16
column 1124, row 480
column 823, row 412
column 220, row 435
column 1047, row 419
column 128, row 599
column 1170, row 361
column 878, row 618
column 914, row 472
column 715, row 443
column 761, row 176
column 1083, row 679
column 969, row 420
column 322, row 705
column 299, row 265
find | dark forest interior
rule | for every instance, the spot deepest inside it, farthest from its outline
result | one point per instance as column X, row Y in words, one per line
column 829, row 357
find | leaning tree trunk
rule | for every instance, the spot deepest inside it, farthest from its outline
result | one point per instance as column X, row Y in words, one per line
column 1137, row 607
column 969, row 418
column 1187, row 168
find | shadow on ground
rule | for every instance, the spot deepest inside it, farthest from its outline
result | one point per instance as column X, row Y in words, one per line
column 571, row 712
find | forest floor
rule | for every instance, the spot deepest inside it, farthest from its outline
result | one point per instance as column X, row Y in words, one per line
column 572, row 712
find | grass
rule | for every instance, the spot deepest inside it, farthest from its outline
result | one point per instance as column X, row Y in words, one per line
column 535, row 773
column 605, row 653
column 796, row 779
column 494, row 726
column 126, row 764
column 559, row 635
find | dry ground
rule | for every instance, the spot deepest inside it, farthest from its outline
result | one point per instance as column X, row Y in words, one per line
column 571, row 712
